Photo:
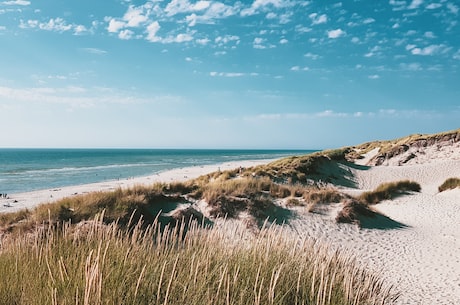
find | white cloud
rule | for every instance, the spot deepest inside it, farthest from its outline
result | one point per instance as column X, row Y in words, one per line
column 192, row 19
column 134, row 16
column 184, row 6
column 230, row 74
column 411, row 66
column 258, row 43
column 457, row 55
column 285, row 18
column 75, row 97
column 115, row 25
column 335, row 33
column 368, row 20
column 17, row 2
column 54, row 24
column 203, row 41
column 94, row 51
column 312, row 56
column 330, row 113
column 302, row 29
column 410, row 47
column 184, row 37
column 80, row 29
column 429, row 50
column 284, row 41
column 271, row 15
column 189, row 59
column 295, row 68
column 318, row 19
column 259, row 5
column 355, row 40
column 215, row 10
column 126, row 34
column 452, row 8
column 429, row 35
column 398, row 5
column 374, row 76
column 179, row 38
column 433, row 6
column 223, row 40
column 415, row 4
column 152, row 30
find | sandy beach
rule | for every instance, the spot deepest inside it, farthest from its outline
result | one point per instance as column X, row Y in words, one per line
column 417, row 249
column 29, row 200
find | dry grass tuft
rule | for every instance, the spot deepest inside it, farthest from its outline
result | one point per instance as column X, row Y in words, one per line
column 449, row 184
column 352, row 210
column 387, row 191
column 314, row 197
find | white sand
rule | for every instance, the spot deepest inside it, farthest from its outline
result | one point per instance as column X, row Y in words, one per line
column 29, row 200
column 422, row 258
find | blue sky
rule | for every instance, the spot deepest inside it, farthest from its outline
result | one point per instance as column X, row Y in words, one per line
column 226, row 74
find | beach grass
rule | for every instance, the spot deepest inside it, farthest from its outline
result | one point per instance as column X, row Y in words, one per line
column 389, row 190
column 394, row 147
column 352, row 210
column 449, row 184
column 316, row 196
column 96, row 262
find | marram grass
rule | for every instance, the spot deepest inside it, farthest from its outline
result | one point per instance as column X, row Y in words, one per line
column 96, row 263
column 449, row 184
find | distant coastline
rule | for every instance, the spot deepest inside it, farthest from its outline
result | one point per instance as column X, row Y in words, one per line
column 25, row 170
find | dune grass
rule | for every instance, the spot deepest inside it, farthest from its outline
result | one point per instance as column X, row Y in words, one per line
column 99, row 263
column 393, row 147
column 352, row 210
column 390, row 190
column 449, row 184
column 314, row 197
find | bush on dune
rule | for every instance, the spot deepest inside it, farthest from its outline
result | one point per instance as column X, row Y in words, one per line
column 352, row 210
column 389, row 190
column 449, row 184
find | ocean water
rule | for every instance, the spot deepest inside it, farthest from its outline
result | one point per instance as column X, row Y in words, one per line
column 23, row 170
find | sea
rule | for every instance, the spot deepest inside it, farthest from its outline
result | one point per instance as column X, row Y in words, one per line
column 24, row 170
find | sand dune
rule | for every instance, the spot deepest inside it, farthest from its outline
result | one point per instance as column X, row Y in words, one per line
column 414, row 244
column 418, row 247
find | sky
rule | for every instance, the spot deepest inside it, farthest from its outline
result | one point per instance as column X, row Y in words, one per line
column 256, row 74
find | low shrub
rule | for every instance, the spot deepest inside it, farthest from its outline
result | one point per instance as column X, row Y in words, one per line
column 322, row 196
column 352, row 210
column 449, row 184
column 386, row 191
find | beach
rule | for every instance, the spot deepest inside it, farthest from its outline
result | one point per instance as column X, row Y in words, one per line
column 28, row 200
column 417, row 250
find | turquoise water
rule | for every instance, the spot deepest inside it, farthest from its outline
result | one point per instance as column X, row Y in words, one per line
column 23, row 170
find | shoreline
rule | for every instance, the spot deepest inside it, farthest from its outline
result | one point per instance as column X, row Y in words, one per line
column 29, row 200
